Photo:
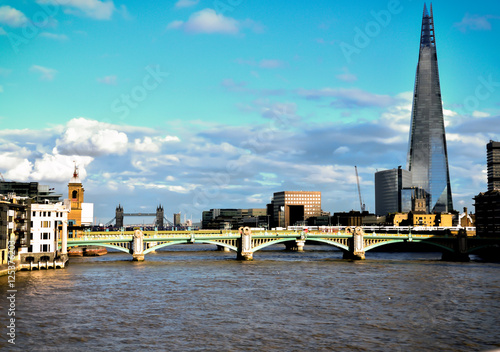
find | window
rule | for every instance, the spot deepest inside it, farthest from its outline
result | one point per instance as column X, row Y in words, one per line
column 48, row 214
column 45, row 223
column 74, row 194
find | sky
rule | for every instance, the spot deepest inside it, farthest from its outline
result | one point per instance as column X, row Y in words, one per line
column 200, row 104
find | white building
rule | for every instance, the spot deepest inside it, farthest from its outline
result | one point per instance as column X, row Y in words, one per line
column 44, row 232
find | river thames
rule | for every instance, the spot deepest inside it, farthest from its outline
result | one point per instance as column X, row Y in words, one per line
column 193, row 298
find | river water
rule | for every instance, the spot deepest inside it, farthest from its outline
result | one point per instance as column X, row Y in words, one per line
column 193, row 298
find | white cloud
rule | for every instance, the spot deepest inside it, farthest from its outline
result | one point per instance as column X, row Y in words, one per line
column 109, row 80
column 268, row 63
column 475, row 22
column 91, row 138
column 147, row 145
column 186, row 3
column 21, row 171
column 47, row 74
column 207, row 21
column 348, row 98
column 12, row 17
column 152, row 144
column 54, row 36
column 480, row 114
column 59, row 168
column 170, row 139
column 347, row 76
column 341, row 150
column 175, row 25
column 96, row 9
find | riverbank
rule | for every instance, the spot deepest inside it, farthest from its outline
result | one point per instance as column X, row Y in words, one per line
column 59, row 263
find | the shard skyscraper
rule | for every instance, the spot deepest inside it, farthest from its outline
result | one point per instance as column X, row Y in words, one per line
column 427, row 154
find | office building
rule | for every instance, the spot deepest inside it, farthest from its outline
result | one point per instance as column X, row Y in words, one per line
column 290, row 208
column 493, row 165
column 427, row 154
column 488, row 203
column 227, row 219
column 393, row 191
column 177, row 219
column 33, row 190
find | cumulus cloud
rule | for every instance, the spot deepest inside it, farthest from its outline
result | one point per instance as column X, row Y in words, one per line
column 208, row 21
column 46, row 74
column 219, row 165
column 57, row 168
column 96, row 9
column 91, row 138
column 12, row 17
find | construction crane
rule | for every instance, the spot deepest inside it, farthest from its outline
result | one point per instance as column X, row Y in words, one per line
column 1, row 177
column 361, row 204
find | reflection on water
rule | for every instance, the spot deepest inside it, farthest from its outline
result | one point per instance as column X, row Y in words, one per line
column 184, row 299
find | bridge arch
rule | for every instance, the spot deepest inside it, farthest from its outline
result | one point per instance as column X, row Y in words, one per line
column 375, row 245
column 282, row 240
column 171, row 243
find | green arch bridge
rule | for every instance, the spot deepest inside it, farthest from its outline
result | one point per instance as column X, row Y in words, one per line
column 352, row 241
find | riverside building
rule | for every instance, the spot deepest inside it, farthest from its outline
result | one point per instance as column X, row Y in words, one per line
column 289, row 208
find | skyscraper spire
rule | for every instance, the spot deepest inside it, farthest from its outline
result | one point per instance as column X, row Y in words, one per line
column 427, row 35
column 427, row 154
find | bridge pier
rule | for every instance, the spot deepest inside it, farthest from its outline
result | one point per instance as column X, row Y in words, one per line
column 356, row 245
column 460, row 253
column 245, row 244
column 138, row 246
column 295, row 246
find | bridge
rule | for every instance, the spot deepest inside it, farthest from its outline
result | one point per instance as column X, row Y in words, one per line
column 354, row 242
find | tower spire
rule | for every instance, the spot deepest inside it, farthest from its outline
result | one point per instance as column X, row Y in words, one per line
column 427, row 37
column 427, row 152
column 75, row 172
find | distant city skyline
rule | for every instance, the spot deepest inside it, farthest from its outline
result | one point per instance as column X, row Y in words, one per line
column 201, row 104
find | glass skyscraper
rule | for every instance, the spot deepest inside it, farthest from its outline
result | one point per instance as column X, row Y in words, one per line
column 427, row 154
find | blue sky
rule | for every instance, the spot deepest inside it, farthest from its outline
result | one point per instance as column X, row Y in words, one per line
column 210, row 104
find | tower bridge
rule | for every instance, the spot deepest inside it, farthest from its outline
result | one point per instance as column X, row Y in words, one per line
column 353, row 242
column 159, row 222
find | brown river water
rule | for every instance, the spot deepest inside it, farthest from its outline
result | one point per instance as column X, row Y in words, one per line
column 193, row 298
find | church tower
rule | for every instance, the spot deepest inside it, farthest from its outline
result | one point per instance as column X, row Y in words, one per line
column 75, row 195
column 427, row 154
